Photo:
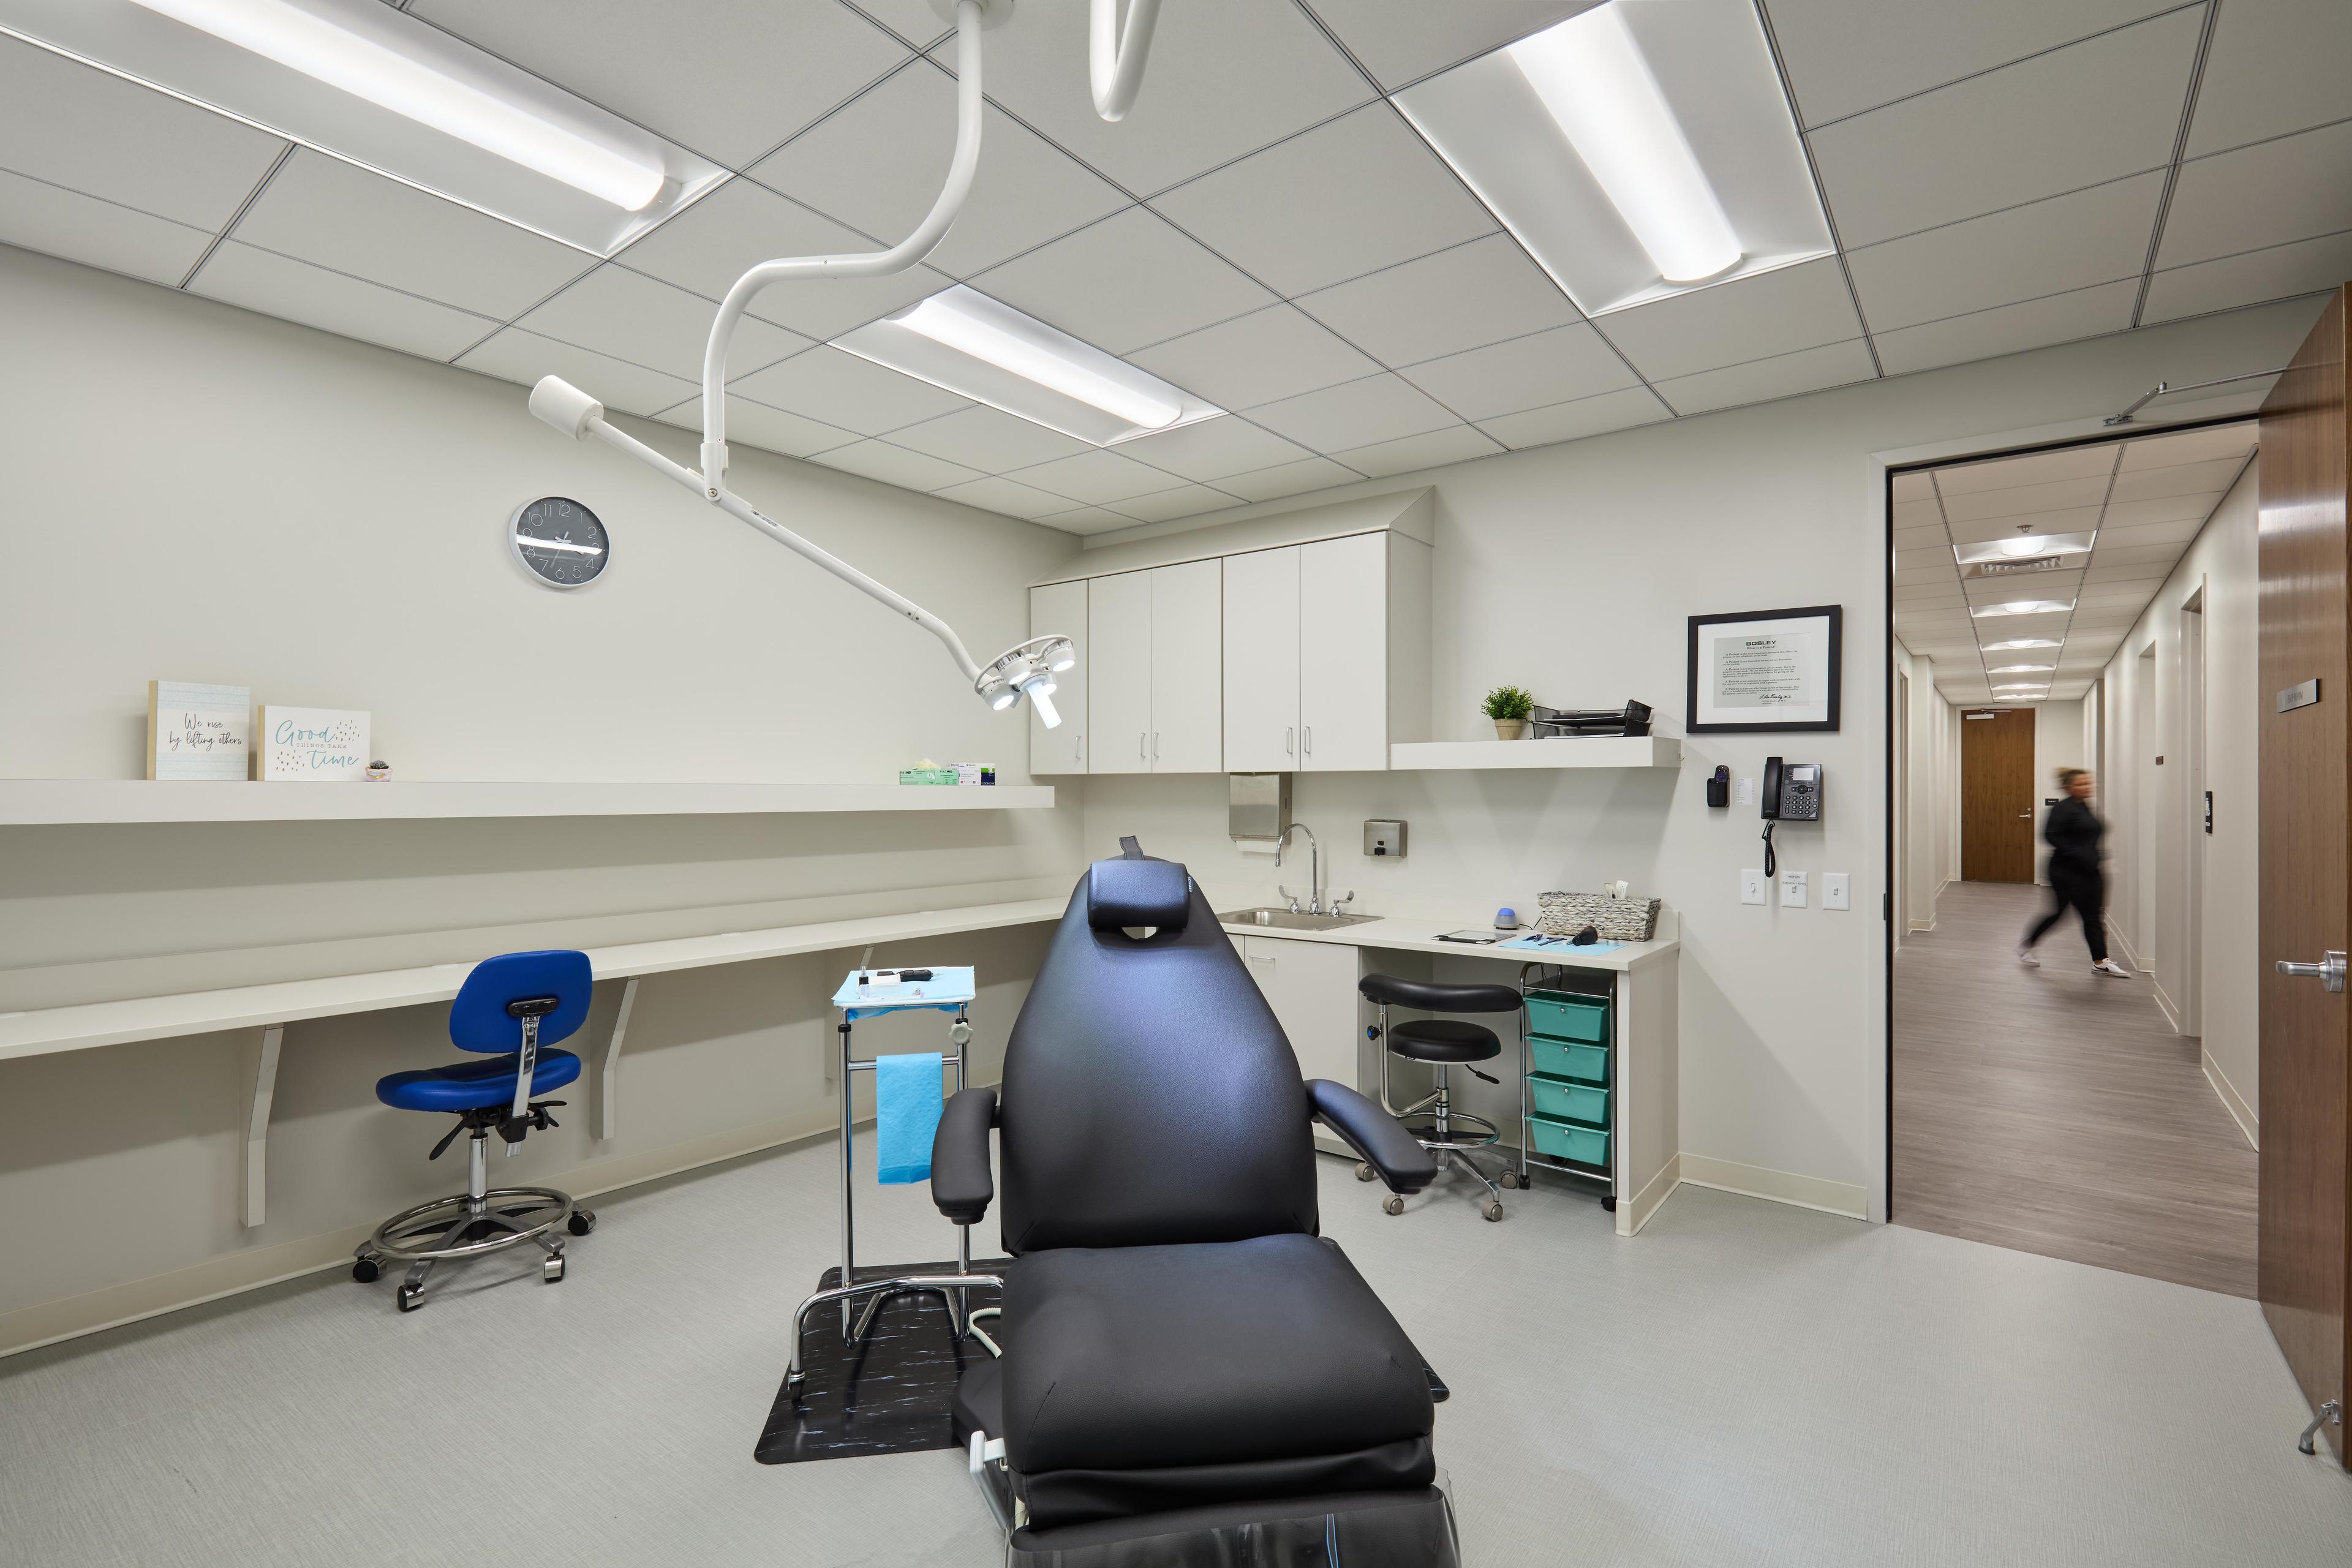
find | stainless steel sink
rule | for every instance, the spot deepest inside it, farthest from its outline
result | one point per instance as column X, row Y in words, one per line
column 1286, row 920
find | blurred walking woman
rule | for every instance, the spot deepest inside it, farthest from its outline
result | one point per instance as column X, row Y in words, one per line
column 2076, row 881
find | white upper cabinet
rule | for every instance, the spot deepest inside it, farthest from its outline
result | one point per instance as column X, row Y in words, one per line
column 1262, row 661
column 1343, row 654
column 1187, row 663
column 1059, row 609
column 1119, row 674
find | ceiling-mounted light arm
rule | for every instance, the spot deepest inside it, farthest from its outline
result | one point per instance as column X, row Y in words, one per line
column 1115, row 57
column 2166, row 389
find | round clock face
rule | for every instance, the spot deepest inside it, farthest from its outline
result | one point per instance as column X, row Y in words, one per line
column 559, row 541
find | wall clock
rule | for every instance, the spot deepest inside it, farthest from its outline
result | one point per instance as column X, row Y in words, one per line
column 559, row 541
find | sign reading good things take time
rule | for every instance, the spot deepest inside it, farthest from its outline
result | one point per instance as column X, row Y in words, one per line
column 312, row 743
column 196, row 731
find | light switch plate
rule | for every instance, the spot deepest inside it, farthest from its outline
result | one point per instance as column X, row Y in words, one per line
column 1751, row 886
column 1794, row 894
column 1834, row 891
column 1748, row 794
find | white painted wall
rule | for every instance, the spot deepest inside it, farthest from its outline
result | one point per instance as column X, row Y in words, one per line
column 1570, row 570
column 1921, row 864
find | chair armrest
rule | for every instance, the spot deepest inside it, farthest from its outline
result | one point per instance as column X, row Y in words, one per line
column 1380, row 1138
column 962, row 1184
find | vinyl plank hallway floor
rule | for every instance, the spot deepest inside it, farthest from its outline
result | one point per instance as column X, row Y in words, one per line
column 2056, row 1112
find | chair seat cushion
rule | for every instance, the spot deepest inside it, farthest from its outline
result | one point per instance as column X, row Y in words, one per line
column 1443, row 1040
column 1218, row 1354
column 470, row 1086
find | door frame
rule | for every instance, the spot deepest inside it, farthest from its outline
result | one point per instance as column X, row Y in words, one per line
column 1884, row 466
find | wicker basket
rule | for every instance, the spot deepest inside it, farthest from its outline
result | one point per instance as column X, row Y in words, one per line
column 1617, row 919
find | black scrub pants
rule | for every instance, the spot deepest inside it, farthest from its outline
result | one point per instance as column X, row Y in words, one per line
column 2085, row 893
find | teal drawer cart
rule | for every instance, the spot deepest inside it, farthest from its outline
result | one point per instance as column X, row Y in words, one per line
column 1566, row 1079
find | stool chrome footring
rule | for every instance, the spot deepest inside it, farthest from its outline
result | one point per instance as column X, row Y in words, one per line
column 508, row 1210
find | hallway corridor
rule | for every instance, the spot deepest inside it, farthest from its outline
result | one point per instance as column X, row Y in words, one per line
column 2055, row 1111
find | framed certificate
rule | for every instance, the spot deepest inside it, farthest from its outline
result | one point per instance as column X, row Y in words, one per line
column 1765, row 671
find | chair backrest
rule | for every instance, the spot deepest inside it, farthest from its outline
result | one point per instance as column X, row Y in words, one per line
column 1149, row 1097
column 478, row 1019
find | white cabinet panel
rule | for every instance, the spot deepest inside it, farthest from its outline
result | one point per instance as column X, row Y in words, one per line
column 1343, row 654
column 1059, row 609
column 1311, row 987
column 1187, row 648
column 1262, row 661
column 1119, row 674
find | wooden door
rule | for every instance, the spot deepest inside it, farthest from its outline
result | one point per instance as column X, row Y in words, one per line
column 1343, row 654
column 1997, row 795
column 1262, row 661
column 1059, row 609
column 1118, row 673
column 1187, row 687
column 2306, row 884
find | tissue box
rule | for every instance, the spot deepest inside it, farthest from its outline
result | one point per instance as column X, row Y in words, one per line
column 926, row 776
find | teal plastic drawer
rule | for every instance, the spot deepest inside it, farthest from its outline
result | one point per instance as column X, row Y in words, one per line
column 1567, row 1140
column 1569, row 1060
column 1569, row 1100
column 1566, row 1015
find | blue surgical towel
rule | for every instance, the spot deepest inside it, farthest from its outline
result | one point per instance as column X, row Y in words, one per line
column 906, row 1102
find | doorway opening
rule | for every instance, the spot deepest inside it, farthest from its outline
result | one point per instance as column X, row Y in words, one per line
column 2050, row 610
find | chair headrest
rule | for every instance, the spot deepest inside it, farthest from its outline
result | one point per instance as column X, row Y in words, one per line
column 1122, row 894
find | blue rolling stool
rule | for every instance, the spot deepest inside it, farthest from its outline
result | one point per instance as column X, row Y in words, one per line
column 517, row 1005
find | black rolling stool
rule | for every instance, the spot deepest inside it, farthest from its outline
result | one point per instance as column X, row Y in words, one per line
column 1448, row 1133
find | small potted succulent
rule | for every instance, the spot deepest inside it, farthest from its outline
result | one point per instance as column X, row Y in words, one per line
column 1508, row 707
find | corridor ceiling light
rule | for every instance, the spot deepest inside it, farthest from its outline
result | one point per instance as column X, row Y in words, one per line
column 2024, row 607
column 969, row 343
column 2019, row 642
column 2022, row 669
column 2021, row 547
column 2022, row 686
column 1638, row 149
column 374, row 86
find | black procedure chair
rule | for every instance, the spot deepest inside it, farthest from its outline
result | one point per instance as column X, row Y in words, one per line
column 1188, row 1373
column 1442, row 1043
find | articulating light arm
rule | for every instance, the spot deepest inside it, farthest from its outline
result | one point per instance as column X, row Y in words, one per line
column 1115, row 59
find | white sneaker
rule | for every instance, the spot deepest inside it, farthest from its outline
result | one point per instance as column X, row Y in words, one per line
column 2025, row 956
column 2110, row 966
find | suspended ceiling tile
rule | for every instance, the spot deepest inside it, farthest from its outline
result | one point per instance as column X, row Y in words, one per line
column 523, row 357
column 1466, row 297
column 1575, row 420
column 1007, row 497
column 1125, row 282
column 2101, row 576
column 1088, row 520
column 1845, row 56
column 297, row 291
column 2158, row 557
column 1913, row 485
column 839, row 388
column 2281, row 272
column 2031, row 469
column 2090, row 112
column 2058, row 586
column 1097, row 477
column 73, row 125
column 1212, row 448
column 2210, row 475
column 1757, row 381
column 1344, row 199
column 988, row 439
column 1532, row 372
column 633, row 316
column 876, row 165
column 63, row 223
column 1978, row 530
column 1431, row 450
column 2259, row 197
column 1356, row 413
column 1289, row 480
column 2009, row 329
column 897, row 466
column 1923, row 557
column 2208, row 445
column 2159, row 511
column 2176, row 533
column 2276, row 66
column 2043, row 248
column 1400, row 44
column 1268, row 354
column 1186, row 501
column 730, row 79
column 734, row 228
column 918, row 22
column 1800, row 307
column 1225, row 78
column 340, row 216
column 2023, row 501
column 757, row 425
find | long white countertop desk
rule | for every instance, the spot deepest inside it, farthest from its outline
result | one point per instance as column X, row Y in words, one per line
column 1421, row 936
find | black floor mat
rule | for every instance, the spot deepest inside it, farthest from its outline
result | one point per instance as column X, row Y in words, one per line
column 891, row 1396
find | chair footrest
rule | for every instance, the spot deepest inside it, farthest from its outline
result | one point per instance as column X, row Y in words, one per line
column 469, row 1232
column 1464, row 1131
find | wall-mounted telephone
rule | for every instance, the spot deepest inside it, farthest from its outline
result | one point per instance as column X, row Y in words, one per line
column 1793, row 793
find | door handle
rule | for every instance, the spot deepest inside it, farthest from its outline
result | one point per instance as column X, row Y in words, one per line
column 2328, row 971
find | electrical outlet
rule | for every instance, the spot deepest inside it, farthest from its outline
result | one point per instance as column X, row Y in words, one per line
column 1751, row 886
column 1835, row 892
column 1793, row 890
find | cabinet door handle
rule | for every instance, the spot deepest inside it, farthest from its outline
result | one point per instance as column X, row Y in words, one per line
column 1289, row 735
column 1155, row 745
column 1256, row 957
column 1143, row 745
column 1079, row 741
column 1310, row 740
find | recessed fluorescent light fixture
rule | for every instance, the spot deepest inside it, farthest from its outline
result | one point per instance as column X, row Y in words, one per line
column 379, row 88
column 2019, row 642
column 2022, row 686
column 967, row 342
column 2024, row 607
column 2023, row 668
column 1638, row 149
column 2016, row 700
column 2019, row 547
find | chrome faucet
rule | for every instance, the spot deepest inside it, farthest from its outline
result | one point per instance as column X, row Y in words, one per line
column 1314, row 867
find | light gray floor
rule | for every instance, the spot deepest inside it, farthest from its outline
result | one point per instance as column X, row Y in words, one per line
column 1744, row 1383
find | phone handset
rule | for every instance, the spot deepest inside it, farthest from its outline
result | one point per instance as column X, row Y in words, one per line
column 1792, row 791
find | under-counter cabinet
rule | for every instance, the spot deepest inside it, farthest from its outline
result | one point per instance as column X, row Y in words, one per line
column 1326, row 654
column 1059, row 609
column 1311, row 987
column 1154, row 692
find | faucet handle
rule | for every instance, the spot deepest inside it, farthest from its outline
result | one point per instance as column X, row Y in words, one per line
column 1282, row 892
column 1347, row 898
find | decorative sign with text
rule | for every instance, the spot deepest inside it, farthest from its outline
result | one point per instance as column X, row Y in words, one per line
column 198, row 732
column 328, row 743
column 1764, row 671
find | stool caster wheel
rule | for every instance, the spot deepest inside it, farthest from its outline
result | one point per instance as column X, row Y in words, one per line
column 410, row 1298
column 1609, row 1204
column 552, row 1269
column 1510, row 1178
column 367, row 1271
column 1494, row 1209
column 1394, row 1204
column 581, row 1222
column 1363, row 1171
